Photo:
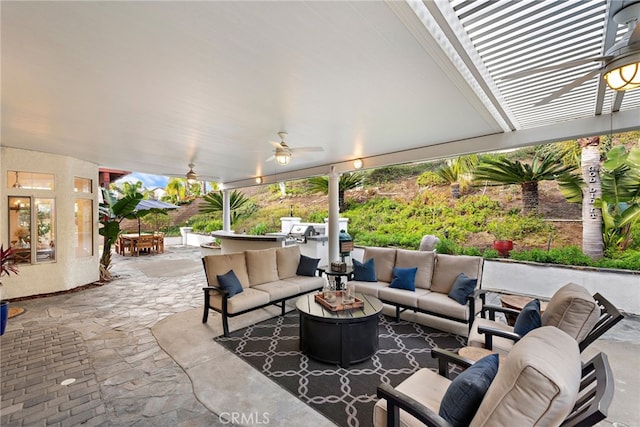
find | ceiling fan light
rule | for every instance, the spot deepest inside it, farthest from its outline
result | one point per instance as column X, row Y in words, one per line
column 283, row 157
column 625, row 77
column 192, row 177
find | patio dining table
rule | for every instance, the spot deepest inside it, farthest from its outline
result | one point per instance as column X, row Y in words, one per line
column 130, row 242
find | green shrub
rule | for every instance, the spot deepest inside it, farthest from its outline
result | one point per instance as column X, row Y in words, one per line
column 429, row 179
column 628, row 260
column 259, row 229
column 446, row 246
column 570, row 255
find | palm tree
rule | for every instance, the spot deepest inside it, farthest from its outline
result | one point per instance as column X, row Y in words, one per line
column 592, row 243
column 456, row 172
column 347, row 181
column 214, row 202
column 610, row 199
column 175, row 190
column 505, row 171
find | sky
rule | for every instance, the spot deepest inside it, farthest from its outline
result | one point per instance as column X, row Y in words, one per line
column 149, row 182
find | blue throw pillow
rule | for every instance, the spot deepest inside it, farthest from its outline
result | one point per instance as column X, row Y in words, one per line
column 404, row 278
column 465, row 393
column 230, row 283
column 364, row 272
column 462, row 288
column 307, row 266
column 528, row 319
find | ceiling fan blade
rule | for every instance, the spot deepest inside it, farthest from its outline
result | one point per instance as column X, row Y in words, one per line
column 562, row 66
column 270, row 159
column 307, row 149
column 577, row 82
column 276, row 144
column 635, row 36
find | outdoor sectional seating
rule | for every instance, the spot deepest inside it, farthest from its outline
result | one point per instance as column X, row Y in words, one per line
column 267, row 276
column 435, row 277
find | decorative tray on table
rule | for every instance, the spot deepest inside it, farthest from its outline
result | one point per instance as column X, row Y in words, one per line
column 337, row 304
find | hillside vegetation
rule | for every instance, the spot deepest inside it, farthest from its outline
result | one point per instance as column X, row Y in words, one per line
column 396, row 206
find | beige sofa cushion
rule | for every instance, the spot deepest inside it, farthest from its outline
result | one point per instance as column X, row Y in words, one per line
column 217, row 265
column 287, row 259
column 572, row 309
column 436, row 302
column 425, row 386
column 423, row 260
column 247, row 299
column 261, row 266
column 448, row 267
column 537, row 384
column 384, row 261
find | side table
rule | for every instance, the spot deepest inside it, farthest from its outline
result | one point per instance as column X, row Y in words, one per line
column 337, row 275
column 517, row 302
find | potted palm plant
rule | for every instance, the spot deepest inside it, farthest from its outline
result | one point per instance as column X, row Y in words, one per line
column 6, row 268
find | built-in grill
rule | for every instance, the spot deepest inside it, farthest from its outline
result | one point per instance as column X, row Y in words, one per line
column 299, row 233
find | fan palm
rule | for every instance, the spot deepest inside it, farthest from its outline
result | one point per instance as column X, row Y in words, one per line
column 347, row 181
column 456, row 172
column 214, row 202
column 505, row 171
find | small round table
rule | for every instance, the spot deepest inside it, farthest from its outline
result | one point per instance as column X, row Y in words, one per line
column 339, row 337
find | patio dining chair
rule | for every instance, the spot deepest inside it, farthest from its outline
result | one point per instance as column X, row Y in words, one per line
column 571, row 309
column 144, row 243
column 543, row 382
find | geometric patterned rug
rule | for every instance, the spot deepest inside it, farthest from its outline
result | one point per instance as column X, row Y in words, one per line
column 344, row 395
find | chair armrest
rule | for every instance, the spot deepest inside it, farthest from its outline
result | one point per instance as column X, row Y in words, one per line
column 446, row 358
column 493, row 309
column 217, row 289
column 397, row 400
column 491, row 332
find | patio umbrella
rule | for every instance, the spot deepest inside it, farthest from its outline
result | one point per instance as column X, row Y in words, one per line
column 146, row 206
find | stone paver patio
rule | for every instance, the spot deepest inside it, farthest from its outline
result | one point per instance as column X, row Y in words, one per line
column 100, row 340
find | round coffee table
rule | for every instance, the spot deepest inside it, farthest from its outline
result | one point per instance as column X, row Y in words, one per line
column 339, row 337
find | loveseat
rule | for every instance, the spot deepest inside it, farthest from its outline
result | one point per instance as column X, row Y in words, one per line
column 434, row 279
column 266, row 277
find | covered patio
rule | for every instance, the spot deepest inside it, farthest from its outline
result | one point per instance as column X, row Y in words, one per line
column 248, row 93
column 152, row 361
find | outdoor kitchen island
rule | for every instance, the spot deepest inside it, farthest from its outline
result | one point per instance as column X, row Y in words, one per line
column 231, row 242
column 313, row 246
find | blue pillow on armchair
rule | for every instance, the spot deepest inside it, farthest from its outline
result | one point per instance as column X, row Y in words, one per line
column 465, row 393
column 528, row 319
column 364, row 272
column 230, row 283
column 404, row 278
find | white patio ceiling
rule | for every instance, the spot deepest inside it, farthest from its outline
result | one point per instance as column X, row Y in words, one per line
column 154, row 86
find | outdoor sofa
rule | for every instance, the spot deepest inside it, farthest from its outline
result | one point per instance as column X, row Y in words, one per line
column 266, row 277
column 434, row 280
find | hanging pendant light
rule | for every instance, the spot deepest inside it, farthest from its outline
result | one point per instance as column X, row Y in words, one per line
column 17, row 183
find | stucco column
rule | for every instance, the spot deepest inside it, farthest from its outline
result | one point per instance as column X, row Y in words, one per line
column 226, row 211
column 334, row 215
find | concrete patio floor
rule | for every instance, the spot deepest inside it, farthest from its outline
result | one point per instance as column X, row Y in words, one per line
column 101, row 340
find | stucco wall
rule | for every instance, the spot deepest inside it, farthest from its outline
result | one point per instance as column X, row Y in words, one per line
column 67, row 271
column 621, row 287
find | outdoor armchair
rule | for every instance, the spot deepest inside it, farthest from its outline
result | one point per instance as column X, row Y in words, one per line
column 571, row 309
column 542, row 382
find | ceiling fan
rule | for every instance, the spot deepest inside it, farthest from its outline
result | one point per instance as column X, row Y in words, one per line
column 620, row 64
column 282, row 153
